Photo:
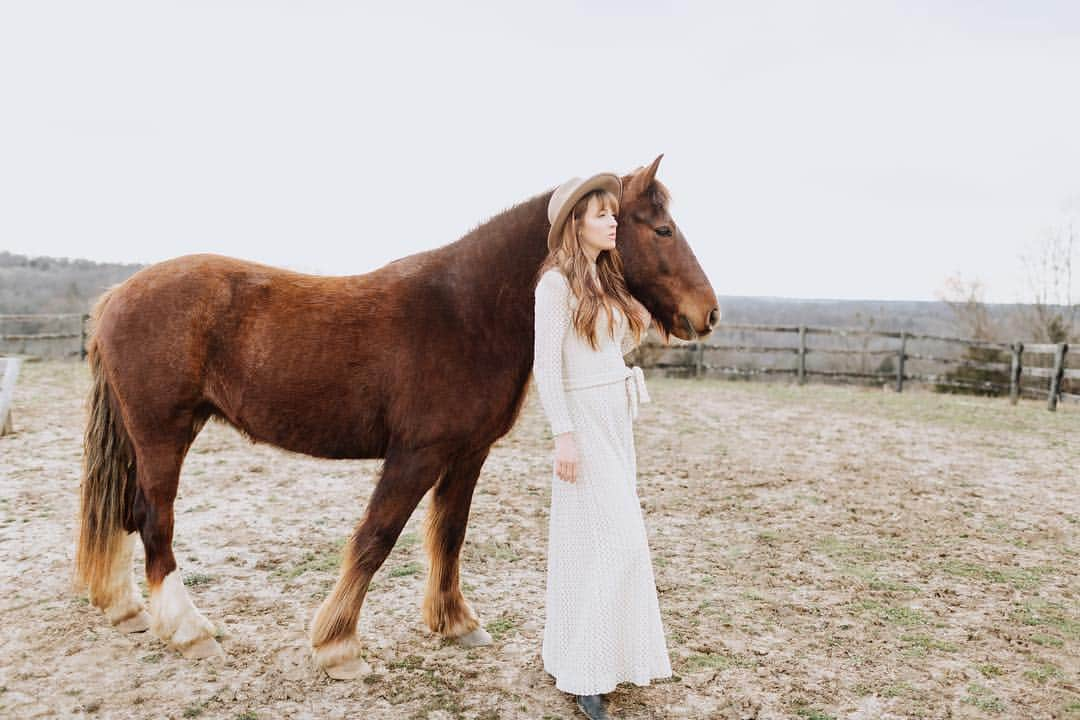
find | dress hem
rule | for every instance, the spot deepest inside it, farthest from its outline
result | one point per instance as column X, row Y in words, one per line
column 610, row 685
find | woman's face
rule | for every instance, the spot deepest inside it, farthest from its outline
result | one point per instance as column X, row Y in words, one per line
column 597, row 228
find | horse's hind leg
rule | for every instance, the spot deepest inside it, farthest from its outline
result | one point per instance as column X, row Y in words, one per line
column 445, row 609
column 406, row 476
column 114, row 590
column 173, row 618
column 120, row 597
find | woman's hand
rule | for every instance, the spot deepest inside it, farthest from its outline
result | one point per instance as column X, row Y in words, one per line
column 566, row 457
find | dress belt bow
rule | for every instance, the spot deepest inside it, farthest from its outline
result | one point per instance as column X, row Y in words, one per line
column 636, row 391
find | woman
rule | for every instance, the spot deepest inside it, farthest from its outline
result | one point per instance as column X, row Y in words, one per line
column 603, row 624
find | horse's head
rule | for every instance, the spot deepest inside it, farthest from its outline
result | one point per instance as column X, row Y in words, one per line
column 660, row 268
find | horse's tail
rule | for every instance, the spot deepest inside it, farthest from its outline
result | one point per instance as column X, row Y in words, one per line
column 108, row 483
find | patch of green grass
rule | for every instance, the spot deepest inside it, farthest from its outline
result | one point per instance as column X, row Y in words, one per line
column 1021, row 578
column 409, row 662
column 982, row 698
column 837, row 548
column 897, row 689
column 1040, row 613
column 706, row 661
column 893, row 614
column 709, row 606
column 327, row 559
column 856, row 561
column 921, row 644
column 868, row 575
column 192, row 711
column 501, row 627
column 443, row 700
column 196, row 579
column 1043, row 673
column 892, row 586
column 1047, row 640
column 411, row 568
column 407, row 540
column 989, row 670
column 769, row 537
column 813, row 714
column 505, row 551
column 247, row 715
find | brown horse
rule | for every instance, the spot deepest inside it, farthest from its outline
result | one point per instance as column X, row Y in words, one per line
column 424, row 362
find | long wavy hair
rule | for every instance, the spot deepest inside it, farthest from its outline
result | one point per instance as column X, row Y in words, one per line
column 569, row 258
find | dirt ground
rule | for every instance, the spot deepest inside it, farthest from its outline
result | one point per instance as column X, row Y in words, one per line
column 820, row 552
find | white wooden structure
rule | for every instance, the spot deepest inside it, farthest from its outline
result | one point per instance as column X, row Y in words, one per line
column 9, row 373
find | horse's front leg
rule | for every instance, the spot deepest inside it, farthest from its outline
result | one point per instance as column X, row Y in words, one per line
column 407, row 474
column 445, row 609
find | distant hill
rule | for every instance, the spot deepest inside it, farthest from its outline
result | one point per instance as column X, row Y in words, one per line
column 926, row 317
column 55, row 285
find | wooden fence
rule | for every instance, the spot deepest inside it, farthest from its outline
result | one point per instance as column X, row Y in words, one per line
column 1054, row 379
column 703, row 358
column 44, row 333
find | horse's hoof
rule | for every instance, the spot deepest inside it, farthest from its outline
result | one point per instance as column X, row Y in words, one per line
column 137, row 623
column 348, row 670
column 341, row 658
column 476, row 638
column 205, row 648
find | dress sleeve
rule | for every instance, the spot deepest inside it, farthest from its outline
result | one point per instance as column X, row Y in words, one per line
column 552, row 322
column 627, row 343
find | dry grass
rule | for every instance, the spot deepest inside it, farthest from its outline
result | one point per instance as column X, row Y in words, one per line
column 820, row 552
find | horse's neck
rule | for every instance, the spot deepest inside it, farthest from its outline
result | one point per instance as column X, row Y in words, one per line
column 501, row 256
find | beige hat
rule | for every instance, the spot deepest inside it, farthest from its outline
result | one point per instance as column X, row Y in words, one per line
column 566, row 196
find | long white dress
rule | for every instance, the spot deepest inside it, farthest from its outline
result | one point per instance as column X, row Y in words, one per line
column 602, row 623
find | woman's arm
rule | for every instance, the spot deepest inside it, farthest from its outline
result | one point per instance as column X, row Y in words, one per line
column 552, row 321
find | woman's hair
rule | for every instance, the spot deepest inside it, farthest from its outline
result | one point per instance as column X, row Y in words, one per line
column 569, row 258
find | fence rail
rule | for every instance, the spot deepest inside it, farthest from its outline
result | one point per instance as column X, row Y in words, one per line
column 691, row 358
column 23, row 337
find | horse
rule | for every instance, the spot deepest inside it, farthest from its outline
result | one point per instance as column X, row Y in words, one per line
column 424, row 362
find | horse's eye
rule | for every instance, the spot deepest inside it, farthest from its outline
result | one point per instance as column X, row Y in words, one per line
column 663, row 231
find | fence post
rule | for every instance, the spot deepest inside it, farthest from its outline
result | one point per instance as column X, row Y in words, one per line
column 82, row 336
column 7, row 390
column 1014, row 374
column 900, row 362
column 699, row 355
column 1059, row 371
column 802, row 354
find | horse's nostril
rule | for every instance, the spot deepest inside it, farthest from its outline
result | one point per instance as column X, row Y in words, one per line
column 714, row 317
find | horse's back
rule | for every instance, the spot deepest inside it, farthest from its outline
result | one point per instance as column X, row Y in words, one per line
column 289, row 358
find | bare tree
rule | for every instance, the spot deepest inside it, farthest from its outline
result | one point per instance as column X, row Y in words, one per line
column 1048, row 267
column 965, row 299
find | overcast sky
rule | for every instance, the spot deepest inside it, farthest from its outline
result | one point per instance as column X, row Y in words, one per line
column 814, row 149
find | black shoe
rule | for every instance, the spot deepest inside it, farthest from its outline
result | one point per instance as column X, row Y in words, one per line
column 592, row 706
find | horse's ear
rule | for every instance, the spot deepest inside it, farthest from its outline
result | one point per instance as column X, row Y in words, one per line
column 642, row 178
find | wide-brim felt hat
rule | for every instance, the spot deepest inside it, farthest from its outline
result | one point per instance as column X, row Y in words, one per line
column 566, row 196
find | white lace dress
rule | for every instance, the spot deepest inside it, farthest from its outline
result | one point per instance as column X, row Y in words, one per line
column 602, row 623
